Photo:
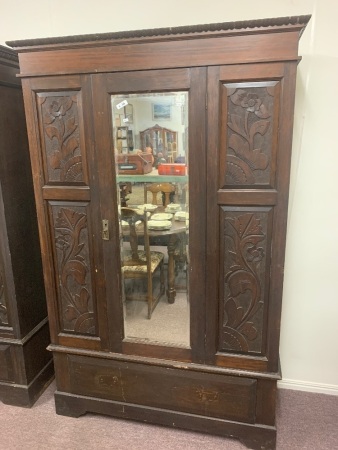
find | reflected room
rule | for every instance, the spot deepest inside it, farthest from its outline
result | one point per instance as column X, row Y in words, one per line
column 150, row 135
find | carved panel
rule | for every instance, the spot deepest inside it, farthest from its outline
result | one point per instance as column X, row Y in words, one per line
column 3, row 307
column 73, row 269
column 60, row 132
column 245, row 280
column 251, row 133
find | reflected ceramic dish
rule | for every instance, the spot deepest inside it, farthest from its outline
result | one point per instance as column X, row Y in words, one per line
column 148, row 207
column 141, row 212
column 159, row 225
column 173, row 207
column 182, row 216
column 162, row 216
column 124, row 223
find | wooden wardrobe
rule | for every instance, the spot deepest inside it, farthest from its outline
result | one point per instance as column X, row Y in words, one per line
column 240, row 80
column 26, row 366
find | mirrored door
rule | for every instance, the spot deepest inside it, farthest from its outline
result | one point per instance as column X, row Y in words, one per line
column 156, row 206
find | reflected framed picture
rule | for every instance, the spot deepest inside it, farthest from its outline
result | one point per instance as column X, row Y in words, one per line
column 161, row 111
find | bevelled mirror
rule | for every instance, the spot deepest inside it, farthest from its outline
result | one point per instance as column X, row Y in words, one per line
column 150, row 135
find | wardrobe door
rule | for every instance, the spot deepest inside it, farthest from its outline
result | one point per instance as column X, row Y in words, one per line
column 174, row 99
column 249, row 150
column 58, row 113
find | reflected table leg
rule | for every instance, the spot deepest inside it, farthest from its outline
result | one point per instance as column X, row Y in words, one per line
column 171, row 292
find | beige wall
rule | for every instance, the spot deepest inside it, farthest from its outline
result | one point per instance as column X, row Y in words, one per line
column 309, row 336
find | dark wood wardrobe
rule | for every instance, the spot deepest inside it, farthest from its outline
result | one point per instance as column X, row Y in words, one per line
column 234, row 84
column 26, row 366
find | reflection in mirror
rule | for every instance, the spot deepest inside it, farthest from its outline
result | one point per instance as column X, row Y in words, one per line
column 151, row 158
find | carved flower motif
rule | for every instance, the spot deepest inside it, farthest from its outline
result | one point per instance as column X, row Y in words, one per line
column 57, row 108
column 251, row 102
column 255, row 254
column 63, row 241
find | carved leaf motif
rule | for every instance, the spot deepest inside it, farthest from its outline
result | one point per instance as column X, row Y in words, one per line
column 53, row 132
column 66, row 104
column 253, row 226
column 255, row 159
column 71, row 145
column 243, row 291
column 62, row 135
column 72, row 170
column 234, row 340
column 260, row 160
column 240, row 223
column 263, row 112
column 238, row 171
column 75, row 269
column 239, row 145
column 55, row 160
column 85, row 323
column 249, row 331
column 81, row 301
column 70, row 313
column 234, row 313
column 70, row 126
column 249, row 105
column 238, row 96
column 261, row 127
column 236, row 124
column 68, row 218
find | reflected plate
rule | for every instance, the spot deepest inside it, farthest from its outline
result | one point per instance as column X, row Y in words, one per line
column 162, row 216
column 182, row 216
column 173, row 207
column 141, row 212
column 148, row 207
column 159, row 225
column 124, row 223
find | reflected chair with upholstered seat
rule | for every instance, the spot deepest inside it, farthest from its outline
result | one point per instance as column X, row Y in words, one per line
column 141, row 264
column 167, row 191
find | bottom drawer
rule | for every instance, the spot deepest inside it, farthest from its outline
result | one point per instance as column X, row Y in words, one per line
column 211, row 395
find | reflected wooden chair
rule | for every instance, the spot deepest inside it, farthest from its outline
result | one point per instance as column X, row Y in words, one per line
column 141, row 264
column 166, row 189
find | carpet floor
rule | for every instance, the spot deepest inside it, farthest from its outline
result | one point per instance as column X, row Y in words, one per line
column 305, row 421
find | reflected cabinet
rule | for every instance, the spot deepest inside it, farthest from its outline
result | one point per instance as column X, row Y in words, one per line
column 164, row 264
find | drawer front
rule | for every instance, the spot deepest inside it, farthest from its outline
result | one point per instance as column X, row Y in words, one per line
column 6, row 365
column 211, row 395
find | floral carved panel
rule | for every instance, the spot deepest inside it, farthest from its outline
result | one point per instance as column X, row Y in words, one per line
column 60, row 133
column 251, row 134
column 244, row 283
column 73, row 269
column 3, row 307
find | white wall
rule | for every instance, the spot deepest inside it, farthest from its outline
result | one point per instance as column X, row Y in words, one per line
column 309, row 335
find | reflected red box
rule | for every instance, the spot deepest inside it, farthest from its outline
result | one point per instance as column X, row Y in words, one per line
column 171, row 169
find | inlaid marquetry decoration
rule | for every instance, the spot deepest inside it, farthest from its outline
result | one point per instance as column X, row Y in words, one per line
column 251, row 138
column 59, row 119
column 3, row 308
column 75, row 288
column 245, row 243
